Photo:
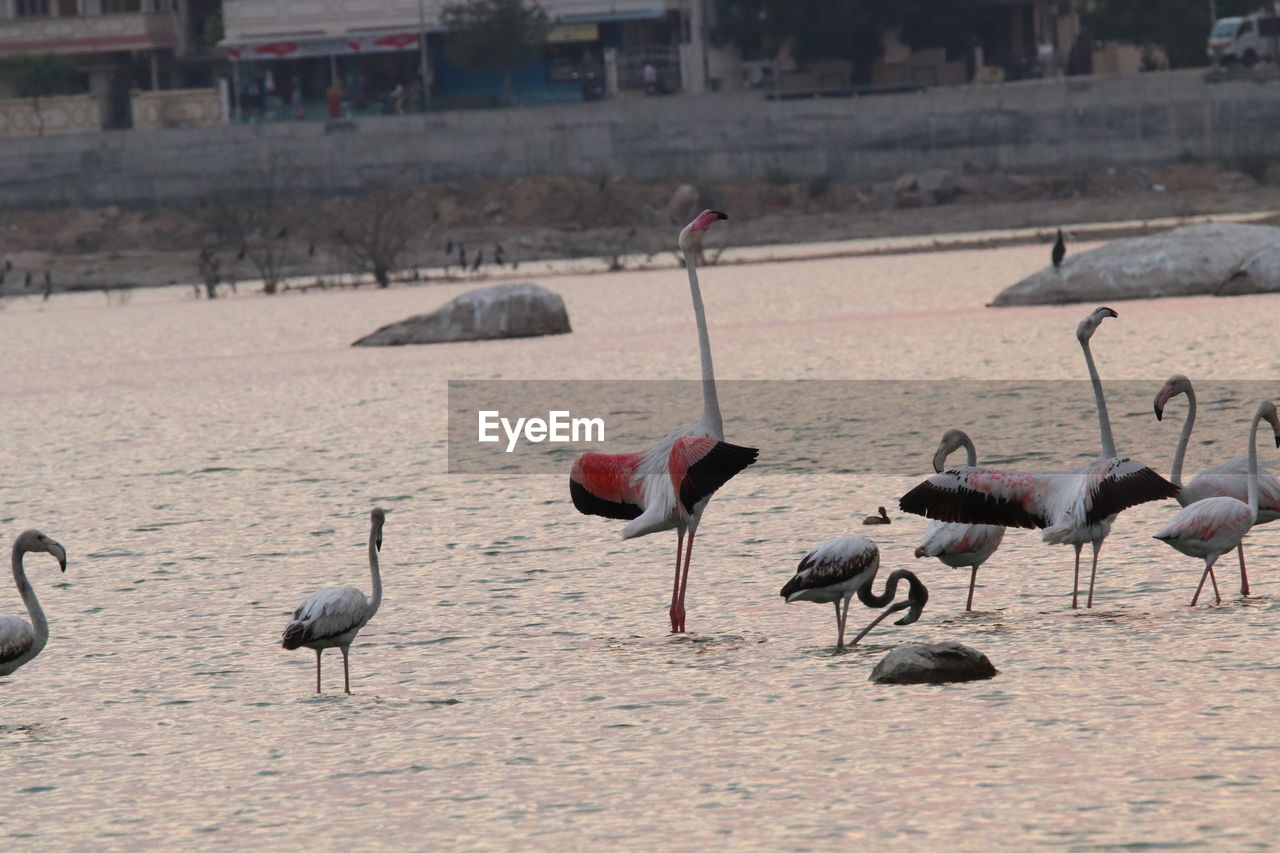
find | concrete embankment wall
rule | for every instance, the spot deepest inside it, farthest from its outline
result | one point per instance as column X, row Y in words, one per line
column 1049, row 126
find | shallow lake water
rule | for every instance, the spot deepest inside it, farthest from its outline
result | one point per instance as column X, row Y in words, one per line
column 209, row 464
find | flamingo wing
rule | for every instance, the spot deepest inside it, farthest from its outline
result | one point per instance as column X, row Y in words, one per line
column 981, row 496
column 699, row 466
column 327, row 613
column 16, row 638
column 1207, row 520
column 944, row 538
column 1231, row 479
column 833, row 562
column 606, row 484
column 1119, row 483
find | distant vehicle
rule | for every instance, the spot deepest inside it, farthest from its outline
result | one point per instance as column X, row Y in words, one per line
column 1244, row 40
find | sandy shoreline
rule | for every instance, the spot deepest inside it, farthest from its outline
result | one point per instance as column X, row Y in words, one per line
column 560, row 225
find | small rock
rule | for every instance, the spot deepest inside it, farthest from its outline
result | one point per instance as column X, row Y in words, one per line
column 940, row 182
column 506, row 311
column 932, row 663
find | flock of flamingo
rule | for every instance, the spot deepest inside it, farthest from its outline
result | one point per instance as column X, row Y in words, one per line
column 669, row 485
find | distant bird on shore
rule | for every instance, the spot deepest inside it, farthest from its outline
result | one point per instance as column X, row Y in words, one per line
column 840, row 568
column 882, row 518
column 26, row 281
column 20, row 642
column 668, row 485
column 955, row 544
column 1213, row 526
column 448, row 246
column 1072, row 507
column 462, row 256
column 479, row 260
column 282, row 233
column 332, row 617
column 1059, row 250
column 1230, row 478
column 311, row 249
column 244, row 247
column 497, row 253
column 8, row 265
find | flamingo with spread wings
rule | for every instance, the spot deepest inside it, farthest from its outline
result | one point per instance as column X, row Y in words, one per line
column 1230, row 479
column 1072, row 507
column 668, row 486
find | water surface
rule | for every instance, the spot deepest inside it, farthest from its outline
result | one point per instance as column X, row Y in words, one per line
column 208, row 464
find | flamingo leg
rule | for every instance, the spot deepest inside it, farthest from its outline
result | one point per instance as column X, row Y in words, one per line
column 1208, row 573
column 973, row 579
column 346, row 674
column 317, row 670
column 676, row 612
column 1093, row 573
column 839, row 626
column 684, row 577
column 1244, row 577
column 1214, row 580
column 1075, row 586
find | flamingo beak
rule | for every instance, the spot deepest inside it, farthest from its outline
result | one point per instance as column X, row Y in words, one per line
column 377, row 543
column 720, row 215
column 1110, row 312
column 59, row 553
column 919, row 552
column 1159, row 409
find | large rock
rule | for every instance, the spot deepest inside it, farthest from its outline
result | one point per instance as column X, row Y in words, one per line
column 506, row 311
column 1258, row 273
column 1193, row 259
column 932, row 663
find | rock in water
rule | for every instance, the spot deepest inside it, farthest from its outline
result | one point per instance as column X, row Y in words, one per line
column 505, row 311
column 932, row 663
column 1193, row 259
column 1258, row 273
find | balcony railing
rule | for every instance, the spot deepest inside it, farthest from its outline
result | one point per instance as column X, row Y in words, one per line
column 88, row 33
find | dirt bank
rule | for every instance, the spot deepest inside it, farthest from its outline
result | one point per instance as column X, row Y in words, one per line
column 532, row 219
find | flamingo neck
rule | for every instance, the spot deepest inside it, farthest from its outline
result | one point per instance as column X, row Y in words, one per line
column 38, row 620
column 971, row 455
column 1104, row 422
column 710, row 402
column 376, row 601
column 1253, row 467
column 1175, row 476
column 870, row 599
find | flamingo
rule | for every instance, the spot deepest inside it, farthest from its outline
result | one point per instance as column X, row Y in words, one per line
column 957, row 544
column 668, row 486
column 1213, row 526
column 332, row 617
column 20, row 642
column 881, row 517
column 1229, row 479
column 1059, row 250
column 1072, row 507
column 840, row 567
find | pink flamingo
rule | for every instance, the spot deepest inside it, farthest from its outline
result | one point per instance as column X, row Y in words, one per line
column 1072, row 507
column 1228, row 479
column 956, row 544
column 1213, row 526
column 668, row 486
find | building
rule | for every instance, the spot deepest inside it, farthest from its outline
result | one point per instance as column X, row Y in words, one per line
column 120, row 46
column 314, row 58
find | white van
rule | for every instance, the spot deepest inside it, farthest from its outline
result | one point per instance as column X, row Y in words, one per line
column 1244, row 40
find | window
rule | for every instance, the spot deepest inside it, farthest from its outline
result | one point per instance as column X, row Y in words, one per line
column 113, row 6
column 1246, row 27
column 32, row 8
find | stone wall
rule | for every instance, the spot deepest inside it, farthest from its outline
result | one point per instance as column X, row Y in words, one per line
column 1036, row 126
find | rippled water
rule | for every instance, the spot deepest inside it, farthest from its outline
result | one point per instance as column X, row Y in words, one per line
column 207, row 465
